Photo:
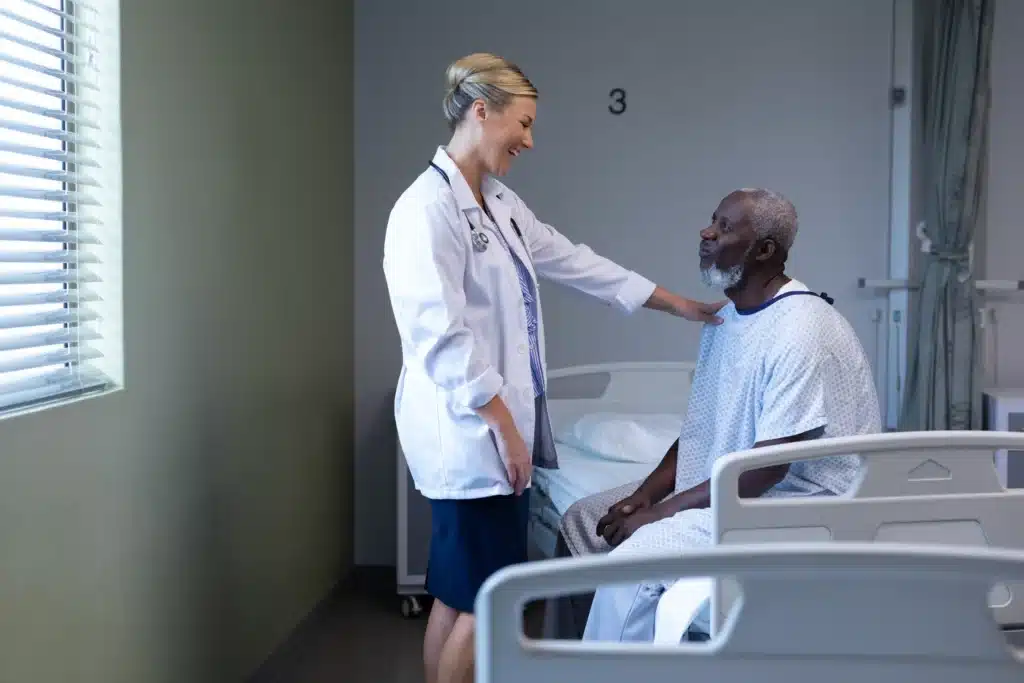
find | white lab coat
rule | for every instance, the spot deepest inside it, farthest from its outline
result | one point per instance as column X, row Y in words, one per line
column 461, row 319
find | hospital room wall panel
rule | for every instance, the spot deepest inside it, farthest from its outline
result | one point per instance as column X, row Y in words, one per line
column 713, row 102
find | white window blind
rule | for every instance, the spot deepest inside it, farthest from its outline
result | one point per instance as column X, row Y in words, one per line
column 55, row 201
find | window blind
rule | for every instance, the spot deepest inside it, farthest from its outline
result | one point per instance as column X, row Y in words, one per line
column 51, row 201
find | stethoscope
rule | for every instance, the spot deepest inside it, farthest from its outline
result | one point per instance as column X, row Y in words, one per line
column 479, row 239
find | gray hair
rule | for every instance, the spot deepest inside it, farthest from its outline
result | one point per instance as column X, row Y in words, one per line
column 773, row 216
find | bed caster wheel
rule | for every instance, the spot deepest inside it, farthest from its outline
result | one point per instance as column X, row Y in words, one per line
column 411, row 607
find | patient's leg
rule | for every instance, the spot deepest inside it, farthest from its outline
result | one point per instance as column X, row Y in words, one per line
column 627, row 613
column 579, row 523
column 624, row 613
column 565, row 617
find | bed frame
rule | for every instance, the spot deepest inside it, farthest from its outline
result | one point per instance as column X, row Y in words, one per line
column 641, row 388
column 809, row 612
column 915, row 487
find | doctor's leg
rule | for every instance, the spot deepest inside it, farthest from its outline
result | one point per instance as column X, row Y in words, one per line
column 439, row 628
column 457, row 661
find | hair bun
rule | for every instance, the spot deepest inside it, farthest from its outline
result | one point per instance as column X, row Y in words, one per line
column 458, row 72
column 482, row 75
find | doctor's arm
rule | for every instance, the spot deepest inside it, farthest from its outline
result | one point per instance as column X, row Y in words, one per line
column 558, row 259
column 424, row 266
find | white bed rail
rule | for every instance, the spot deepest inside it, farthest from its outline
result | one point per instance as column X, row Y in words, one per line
column 838, row 612
column 938, row 487
column 634, row 387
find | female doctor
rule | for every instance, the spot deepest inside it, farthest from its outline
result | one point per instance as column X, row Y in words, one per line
column 462, row 255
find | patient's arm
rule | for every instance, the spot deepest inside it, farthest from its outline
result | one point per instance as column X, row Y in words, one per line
column 752, row 484
column 658, row 484
column 662, row 481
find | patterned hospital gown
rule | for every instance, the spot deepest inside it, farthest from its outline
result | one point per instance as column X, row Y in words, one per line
column 788, row 367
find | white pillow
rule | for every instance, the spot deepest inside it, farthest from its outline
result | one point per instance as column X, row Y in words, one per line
column 622, row 437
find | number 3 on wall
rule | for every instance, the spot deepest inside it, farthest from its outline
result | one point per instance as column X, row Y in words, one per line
column 618, row 104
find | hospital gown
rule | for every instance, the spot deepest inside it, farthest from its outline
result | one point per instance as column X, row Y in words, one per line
column 786, row 368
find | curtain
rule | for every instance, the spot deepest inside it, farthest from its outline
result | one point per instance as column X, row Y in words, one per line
column 942, row 388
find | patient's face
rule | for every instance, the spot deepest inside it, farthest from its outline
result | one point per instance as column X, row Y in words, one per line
column 726, row 244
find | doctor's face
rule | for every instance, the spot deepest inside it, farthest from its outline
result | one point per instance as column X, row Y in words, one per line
column 727, row 244
column 506, row 133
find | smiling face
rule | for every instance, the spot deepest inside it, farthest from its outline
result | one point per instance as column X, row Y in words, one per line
column 502, row 134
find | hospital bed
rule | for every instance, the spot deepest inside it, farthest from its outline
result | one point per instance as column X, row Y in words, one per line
column 837, row 612
column 613, row 423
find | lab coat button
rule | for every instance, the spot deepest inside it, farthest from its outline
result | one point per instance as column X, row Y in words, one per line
column 522, row 348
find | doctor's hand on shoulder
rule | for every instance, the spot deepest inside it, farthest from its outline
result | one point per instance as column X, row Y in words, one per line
column 688, row 309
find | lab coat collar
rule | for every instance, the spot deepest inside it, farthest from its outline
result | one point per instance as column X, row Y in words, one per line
column 463, row 195
column 493, row 192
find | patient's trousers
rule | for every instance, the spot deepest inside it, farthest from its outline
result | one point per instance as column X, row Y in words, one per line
column 565, row 617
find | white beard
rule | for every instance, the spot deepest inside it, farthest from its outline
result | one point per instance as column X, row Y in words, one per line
column 716, row 278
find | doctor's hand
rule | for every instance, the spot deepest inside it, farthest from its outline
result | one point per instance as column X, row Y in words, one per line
column 697, row 311
column 516, row 456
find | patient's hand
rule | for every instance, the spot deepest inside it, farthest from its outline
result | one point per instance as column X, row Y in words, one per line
column 625, row 508
column 623, row 527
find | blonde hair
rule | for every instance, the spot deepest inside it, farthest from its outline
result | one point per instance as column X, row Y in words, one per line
column 482, row 76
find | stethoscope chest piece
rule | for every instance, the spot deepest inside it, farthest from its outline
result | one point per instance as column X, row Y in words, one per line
column 480, row 241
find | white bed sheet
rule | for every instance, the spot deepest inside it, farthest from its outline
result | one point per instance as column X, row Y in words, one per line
column 581, row 474
column 600, row 451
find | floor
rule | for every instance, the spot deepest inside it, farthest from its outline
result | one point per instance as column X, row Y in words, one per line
column 363, row 638
column 353, row 638
column 358, row 637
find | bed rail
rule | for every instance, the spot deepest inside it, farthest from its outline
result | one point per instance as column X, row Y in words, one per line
column 836, row 612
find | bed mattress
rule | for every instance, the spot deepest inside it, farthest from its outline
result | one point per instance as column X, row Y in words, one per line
column 581, row 474
column 597, row 452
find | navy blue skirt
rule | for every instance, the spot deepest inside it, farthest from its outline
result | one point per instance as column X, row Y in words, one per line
column 472, row 539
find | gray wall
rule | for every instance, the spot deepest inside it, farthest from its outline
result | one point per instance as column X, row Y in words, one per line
column 178, row 530
column 1004, row 241
column 714, row 103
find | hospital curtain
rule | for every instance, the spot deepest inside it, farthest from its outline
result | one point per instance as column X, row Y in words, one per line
column 942, row 386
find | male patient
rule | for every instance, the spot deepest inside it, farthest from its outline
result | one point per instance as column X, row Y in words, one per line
column 783, row 366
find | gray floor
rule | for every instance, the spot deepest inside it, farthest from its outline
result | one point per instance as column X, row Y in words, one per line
column 352, row 639
column 358, row 637
column 361, row 638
